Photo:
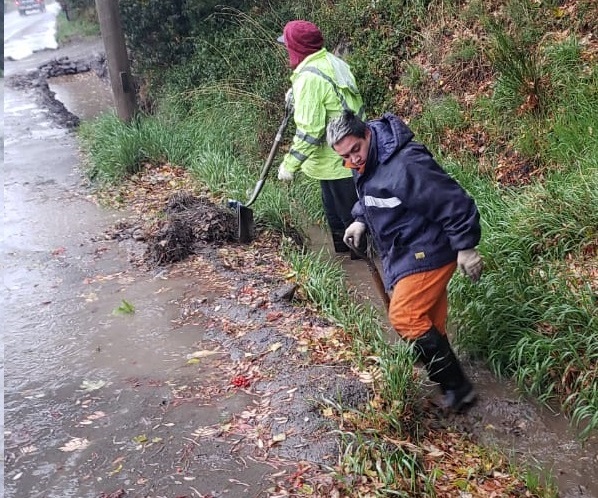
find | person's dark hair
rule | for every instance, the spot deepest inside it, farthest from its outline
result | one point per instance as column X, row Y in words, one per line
column 348, row 123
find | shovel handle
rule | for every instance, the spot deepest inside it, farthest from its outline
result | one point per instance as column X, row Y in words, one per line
column 270, row 160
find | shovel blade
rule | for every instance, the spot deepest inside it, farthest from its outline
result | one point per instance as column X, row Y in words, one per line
column 246, row 225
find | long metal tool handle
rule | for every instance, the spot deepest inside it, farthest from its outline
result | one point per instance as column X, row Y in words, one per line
column 378, row 282
column 270, row 160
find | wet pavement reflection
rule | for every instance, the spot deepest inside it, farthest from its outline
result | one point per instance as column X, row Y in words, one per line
column 24, row 35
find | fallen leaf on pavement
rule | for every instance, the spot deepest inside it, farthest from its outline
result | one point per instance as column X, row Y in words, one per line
column 28, row 449
column 275, row 347
column 77, row 443
column 116, row 470
column 142, row 438
column 96, row 415
column 277, row 438
column 125, row 308
column 273, row 316
column 90, row 385
column 203, row 353
column 240, row 381
column 327, row 412
column 206, row 431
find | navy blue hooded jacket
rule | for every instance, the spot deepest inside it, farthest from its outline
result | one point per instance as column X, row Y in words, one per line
column 418, row 216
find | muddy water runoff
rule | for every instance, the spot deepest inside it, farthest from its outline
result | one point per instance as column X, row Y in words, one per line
column 503, row 418
column 83, row 94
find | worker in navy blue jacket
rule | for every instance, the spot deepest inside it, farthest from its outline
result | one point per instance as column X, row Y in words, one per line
column 423, row 225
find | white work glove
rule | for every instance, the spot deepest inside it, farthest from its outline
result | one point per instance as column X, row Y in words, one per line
column 353, row 233
column 470, row 263
column 284, row 175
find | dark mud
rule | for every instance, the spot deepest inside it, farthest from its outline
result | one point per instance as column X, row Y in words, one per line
column 190, row 223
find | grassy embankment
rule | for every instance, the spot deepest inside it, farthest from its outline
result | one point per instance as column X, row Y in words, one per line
column 508, row 107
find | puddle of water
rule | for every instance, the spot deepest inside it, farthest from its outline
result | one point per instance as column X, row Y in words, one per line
column 136, row 344
column 49, row 133
column 83, row 94
column 531, row 433
column 23, row 107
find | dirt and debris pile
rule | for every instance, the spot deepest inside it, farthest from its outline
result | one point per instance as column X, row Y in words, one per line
column 191, row 222
column 64, row 66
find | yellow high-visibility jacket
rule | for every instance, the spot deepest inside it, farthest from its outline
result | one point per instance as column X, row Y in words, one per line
column 322, row 87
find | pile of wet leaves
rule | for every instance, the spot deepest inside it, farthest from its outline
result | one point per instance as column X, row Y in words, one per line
column 190, row 223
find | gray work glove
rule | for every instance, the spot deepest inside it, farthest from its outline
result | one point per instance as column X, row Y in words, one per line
column 353, row 233
column 289, row 101
column 284, row 175
column 470, row 263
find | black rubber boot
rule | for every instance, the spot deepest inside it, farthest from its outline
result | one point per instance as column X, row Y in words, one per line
column 444, row 368
column 337, row 240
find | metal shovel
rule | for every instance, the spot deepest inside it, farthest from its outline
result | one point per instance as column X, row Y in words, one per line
column 246, row 225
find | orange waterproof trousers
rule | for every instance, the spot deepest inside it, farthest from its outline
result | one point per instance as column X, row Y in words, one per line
column 419, row 301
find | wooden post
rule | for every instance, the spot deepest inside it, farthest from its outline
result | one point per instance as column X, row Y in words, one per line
column 123, row 89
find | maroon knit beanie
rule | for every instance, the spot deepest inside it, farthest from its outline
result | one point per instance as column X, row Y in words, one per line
column 302, row 38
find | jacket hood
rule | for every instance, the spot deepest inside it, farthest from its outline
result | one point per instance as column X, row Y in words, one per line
column 301, row 38
column 392, row 134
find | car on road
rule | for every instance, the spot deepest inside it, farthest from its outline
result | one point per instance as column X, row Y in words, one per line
column 25, row 5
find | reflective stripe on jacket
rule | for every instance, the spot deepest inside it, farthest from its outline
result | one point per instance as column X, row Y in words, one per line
column 417, row 214
column 322, row 86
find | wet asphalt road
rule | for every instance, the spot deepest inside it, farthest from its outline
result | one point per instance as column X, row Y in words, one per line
column 24, row 35
column 2, row 317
